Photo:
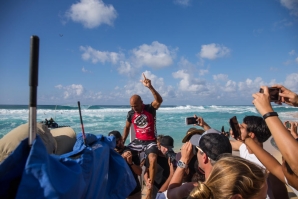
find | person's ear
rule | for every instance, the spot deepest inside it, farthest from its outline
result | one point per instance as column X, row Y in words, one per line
column 236, row 196
column 205, row 158
column 251, row 135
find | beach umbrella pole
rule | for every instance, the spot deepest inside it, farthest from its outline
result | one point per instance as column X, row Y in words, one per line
column 82, row 125
column 33, row 83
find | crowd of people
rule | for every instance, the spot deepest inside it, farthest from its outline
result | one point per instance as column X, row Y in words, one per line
column 205, row 167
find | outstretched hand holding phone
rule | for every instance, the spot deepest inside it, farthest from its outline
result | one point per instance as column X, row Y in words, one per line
column 235, row 130
column 287, row 96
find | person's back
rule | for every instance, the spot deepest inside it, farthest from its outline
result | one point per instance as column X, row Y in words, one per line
column 232, row 177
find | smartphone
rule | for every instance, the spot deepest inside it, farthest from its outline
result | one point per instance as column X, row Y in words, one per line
column 190, row 120
column 273, row 93
column 288, row 124
column 235, row 127
column 174, row 162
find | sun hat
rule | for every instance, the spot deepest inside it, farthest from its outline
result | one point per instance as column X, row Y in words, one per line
column 212, row 143
column 191, row 132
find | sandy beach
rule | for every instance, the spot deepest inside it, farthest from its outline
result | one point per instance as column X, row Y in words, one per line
column 271, row 150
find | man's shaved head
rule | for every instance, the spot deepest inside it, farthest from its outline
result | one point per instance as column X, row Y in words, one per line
column 136, row 103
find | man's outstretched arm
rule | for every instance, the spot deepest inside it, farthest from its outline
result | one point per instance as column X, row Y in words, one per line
column 157, row 98
column 126, row 131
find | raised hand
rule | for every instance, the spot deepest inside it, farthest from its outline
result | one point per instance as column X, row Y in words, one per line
column 287, row 96
column 262, row 101
column 186, row 152
column 201, row 123
column 146, row 82
column 293, row 129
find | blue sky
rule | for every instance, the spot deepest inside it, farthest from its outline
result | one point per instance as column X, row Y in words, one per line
column 196, row 52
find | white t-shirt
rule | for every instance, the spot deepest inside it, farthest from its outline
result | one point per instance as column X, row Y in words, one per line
column 248, row 156
column 251, row 157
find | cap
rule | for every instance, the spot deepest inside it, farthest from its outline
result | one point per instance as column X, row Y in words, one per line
column 191, row 132
column 116, row 134
column 213, row 143
column 195, row 139
column 167, row 141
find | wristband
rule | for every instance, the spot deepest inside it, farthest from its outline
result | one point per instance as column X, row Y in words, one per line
column 131, row 164
column 269, row 114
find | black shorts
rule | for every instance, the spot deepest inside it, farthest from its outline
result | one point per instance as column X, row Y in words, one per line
column 148, row 146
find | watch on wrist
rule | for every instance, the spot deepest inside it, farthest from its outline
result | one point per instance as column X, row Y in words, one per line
column 182, row 164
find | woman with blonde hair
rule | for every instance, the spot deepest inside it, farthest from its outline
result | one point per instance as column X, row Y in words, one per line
column 235, row 178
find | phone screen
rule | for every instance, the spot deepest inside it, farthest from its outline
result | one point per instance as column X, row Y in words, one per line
column 273, row 93
column 191, row 120
column 235, row 127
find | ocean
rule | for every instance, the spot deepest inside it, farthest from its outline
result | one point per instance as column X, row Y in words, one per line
column 100, row 119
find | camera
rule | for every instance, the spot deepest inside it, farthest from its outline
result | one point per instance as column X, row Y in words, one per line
column 273, row 93
column 172, row 155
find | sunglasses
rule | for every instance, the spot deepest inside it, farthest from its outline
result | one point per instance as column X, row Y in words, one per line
column 201, row 151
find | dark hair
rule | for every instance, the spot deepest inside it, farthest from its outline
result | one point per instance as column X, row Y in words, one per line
column 258, row 126
column 159, row 137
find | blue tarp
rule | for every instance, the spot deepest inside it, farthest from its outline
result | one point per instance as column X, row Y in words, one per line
column 95, row 171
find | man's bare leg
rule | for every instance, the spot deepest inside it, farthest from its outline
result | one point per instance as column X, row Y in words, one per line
column 152, row 170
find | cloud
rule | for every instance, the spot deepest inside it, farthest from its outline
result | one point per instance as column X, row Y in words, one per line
column 182, row 2
column 156, row 55
column 100, row 56
column 292, row 5
column 282, row 24
column 251, row 86
column 126, row 68
column 296, row 60
column 292, row 52
column 85, row 70
column 71, row 91
column 213, row 51
column 203, row 72
column 188, row 82
column 92, row 13
column 288, row 62
column 220, row 77
column 291, row 82
column 138, row 88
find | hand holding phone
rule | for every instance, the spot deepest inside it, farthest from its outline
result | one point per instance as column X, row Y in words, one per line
column 190, row 120
column 273, row 93
column 235, row 127
column 288, row 124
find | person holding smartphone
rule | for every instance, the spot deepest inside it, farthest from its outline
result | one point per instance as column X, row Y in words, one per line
column 255, row 128
column 285, row 142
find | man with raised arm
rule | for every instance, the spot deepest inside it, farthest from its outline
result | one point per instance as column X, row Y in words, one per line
column 143, row 118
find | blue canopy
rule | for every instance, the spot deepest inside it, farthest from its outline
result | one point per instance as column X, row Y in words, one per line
column 92, row 171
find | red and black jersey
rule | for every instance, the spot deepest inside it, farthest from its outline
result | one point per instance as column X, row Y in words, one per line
column 144, row 123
